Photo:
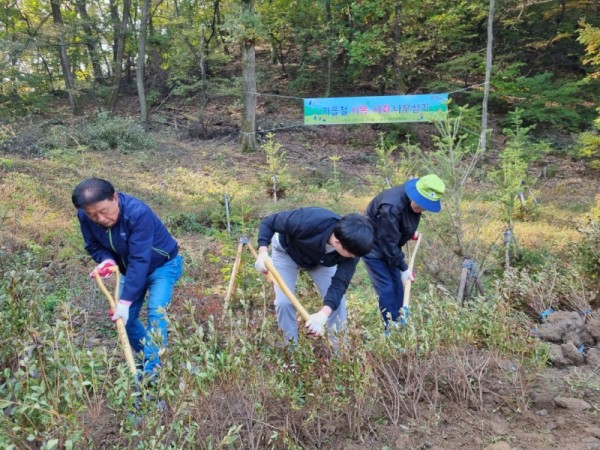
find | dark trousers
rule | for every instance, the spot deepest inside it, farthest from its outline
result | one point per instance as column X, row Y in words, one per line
column 387, row 282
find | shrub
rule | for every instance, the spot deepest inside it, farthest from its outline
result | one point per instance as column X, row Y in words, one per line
column 588, row 250
column 109, row 132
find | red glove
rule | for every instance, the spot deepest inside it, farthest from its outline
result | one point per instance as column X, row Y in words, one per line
column 104, row 269
column 415, row 236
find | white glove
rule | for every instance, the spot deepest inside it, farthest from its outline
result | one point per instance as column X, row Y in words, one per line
column 260, row 262
column 122, row 311
column 103, row 269
column 316, row 323
column 407, row 275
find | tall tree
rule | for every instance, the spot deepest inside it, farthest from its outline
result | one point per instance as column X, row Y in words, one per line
column 488, row 73
column 141, row 62
column 122, row 30
column 64, row 58
column 249, row 74
column 91, row 41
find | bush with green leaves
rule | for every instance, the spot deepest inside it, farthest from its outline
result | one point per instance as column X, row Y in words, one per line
column 588, row 250
column 590, row 144
column 511, row 177
column 394, row 171
column 545, row 99
column 23, row 304
column 277, row 177
column 107, row 132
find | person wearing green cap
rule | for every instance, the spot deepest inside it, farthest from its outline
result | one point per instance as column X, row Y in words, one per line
column 395, row 214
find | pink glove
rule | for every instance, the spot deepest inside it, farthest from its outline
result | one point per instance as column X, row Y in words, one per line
column 415, row 236
column 103, row 269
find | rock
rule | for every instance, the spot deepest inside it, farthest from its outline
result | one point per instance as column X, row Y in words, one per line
column 572, row 353
column 556, row 356
column 542, row 399
column 594, row 431
column 593, row 327
column 499, row 426
column 498, row 446
column 592, row 357
column 572, row 403
column 402, row 441
column 579, row 336
column 542, row 412
column 590, row 443
column 558, row 324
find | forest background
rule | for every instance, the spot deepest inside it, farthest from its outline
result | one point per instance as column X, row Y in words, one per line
column 196, row 108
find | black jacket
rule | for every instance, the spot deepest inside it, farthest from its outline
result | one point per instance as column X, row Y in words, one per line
column 304, row 233
column 394, row 223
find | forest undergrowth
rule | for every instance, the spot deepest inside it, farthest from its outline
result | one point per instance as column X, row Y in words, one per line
column 227, row 381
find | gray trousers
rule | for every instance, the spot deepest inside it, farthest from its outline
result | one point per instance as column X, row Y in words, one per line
column 286, row 313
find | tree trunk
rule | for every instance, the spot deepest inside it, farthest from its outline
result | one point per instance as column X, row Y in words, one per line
column 91, row 41
column 202, row 57
column 114, row 17
column 249, row 75
column 397, row 32
column 141, row 61
column 329, row 49
column 488, row 72
column 64, row 58
column 122, row 36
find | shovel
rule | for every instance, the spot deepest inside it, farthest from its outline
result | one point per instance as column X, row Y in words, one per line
column 234, row 272
column 119, row 322
column 287, row 291
column 408, row 284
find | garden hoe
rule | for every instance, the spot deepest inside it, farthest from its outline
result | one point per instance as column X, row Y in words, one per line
column 119, row 322
column 408, row 284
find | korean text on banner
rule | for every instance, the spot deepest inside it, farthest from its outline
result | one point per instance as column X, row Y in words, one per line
column 384, row 109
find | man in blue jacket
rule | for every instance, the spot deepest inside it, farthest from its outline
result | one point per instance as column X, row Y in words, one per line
column 324, row 244
column 395, row 214
column 121, row 230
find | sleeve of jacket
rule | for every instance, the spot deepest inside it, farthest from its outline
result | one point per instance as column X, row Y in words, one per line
column 95, row 249
column 141, row 238
column 339, row 283
column 285, row 222
column 388, row 236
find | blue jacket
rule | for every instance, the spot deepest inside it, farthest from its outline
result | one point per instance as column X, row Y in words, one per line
column 138, row 242
column 304, row 233
column 394, row 223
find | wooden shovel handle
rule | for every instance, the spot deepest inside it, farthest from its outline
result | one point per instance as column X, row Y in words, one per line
column 268, row 275
column 287, row 291
column 121, row 332
column 234, row 272
column 408, row 284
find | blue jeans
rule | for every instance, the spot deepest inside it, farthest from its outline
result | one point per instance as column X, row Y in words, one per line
column 159, row 286
column 387, row 282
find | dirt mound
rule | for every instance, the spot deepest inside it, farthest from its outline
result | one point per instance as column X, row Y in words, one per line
column 573, row 338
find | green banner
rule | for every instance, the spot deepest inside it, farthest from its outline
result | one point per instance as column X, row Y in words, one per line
column 384, row 109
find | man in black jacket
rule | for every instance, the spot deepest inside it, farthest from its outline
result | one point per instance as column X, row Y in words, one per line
column 395, row 214
column 328, row 247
